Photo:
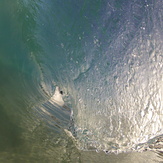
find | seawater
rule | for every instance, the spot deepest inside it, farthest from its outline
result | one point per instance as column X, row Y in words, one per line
column 106, row 57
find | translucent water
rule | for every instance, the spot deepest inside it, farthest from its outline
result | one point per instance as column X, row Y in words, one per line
column 80, row 80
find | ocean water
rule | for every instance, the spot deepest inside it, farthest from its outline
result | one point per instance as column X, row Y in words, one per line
column 106, row 57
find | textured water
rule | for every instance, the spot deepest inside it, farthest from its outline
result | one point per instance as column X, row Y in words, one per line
column 107, row 59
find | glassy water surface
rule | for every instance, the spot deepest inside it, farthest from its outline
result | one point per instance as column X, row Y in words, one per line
column 81, row 81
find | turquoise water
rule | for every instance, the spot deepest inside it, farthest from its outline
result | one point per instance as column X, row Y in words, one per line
column 106, row 57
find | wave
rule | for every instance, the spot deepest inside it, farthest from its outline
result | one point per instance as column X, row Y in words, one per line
column 112, row 73
column 106, row 58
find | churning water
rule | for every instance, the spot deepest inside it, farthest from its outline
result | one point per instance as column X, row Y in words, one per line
column 80, row 77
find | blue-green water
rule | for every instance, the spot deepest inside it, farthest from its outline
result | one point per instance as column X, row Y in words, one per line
column 107, row 58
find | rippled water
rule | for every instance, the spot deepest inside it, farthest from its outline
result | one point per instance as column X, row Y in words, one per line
column 107, row 59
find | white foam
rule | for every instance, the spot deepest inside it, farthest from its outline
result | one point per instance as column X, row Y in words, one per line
column 57, row 97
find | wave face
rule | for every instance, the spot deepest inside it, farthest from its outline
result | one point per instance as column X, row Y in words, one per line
column 106, row 57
